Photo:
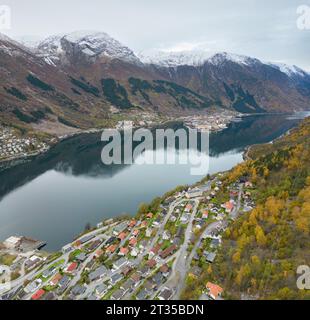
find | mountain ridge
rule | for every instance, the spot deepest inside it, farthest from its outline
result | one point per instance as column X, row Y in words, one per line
column 80, row 77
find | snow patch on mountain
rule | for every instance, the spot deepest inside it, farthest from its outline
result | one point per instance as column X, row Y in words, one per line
column 90, row 43
column 290, row 71
column 191, row 58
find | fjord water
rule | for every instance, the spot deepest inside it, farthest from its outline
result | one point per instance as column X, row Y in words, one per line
column 52, row 197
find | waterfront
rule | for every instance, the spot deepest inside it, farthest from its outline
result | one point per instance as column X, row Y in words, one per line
column 54, row 196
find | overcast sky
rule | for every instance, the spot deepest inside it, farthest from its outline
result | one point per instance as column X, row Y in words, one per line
column 262, row 28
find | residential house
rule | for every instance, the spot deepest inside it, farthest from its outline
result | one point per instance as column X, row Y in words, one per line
column 111, row 249
column 188, row 207
column 94, row 245
column 205, row 214
column 115, row 279
column 157, row 222
column 38, row 295
column 127, row 286
column 135, row 277
column 213, row 290
column 78, row 290
column 99, row 273
column 195, row 272
column 55, row 280
column 228, row 206
column 49, row 296
column 101, row 290
column 132, row 223
column 49, row 272
column 165, row 294
column 120, row 227
column 166, row 235
column 67, row 248
column 167, row 252
column 154, row 251
column 81, row 257
column 71, row 267
column 134, row 252
column 119, row 263
column 86, row 238
column 117, row 295
column 33, row 286
column 164, row 269
column 122, row 236
column 148, row 232
column 143, row 244
column 193, row 193
column 142, row 295
column 211, row 257
column 110, row 240
column 151, row 263
column 126, row 270
column 149, row 215
column 132, row 242
column 98, row 253
column 123, row 251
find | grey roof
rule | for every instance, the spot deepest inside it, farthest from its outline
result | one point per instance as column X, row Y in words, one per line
column 127, row 284
column 166, row 294
column 78, row 290
column 117, row 294
column 115, row 278
column 142, row 295
column 99, row 272
column 118, row 263
column 64, row 281
column 86, row 238
column 102, row 288
column 81, row 257
column 211, row 256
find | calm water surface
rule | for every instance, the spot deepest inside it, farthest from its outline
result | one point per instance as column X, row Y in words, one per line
column 53, row 197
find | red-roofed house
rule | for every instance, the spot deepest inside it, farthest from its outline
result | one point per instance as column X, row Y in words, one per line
column 149, row 215
column 38, row 295
column 132, row 242
column 188, row 208
column 98, row 253
column 154, row 250
column 55, row 279
column 151, row 263
column 111, row 248
column 122, row 235
column 205, row 214
column 214, row 290
column 229, row 206
column 123, row 251
column 132, row 223
column 72, row 267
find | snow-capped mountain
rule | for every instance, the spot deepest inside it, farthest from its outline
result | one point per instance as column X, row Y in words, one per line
column 77, row 78
column 290, row 71
column 191, row 58
column 87, row 45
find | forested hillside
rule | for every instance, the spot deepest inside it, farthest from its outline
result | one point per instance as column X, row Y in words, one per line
column 263, row 248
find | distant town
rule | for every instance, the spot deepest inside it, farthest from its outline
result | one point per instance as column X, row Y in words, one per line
column 150, row 256
column 12, row 145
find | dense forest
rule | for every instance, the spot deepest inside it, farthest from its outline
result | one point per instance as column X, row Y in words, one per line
column 262, row 249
